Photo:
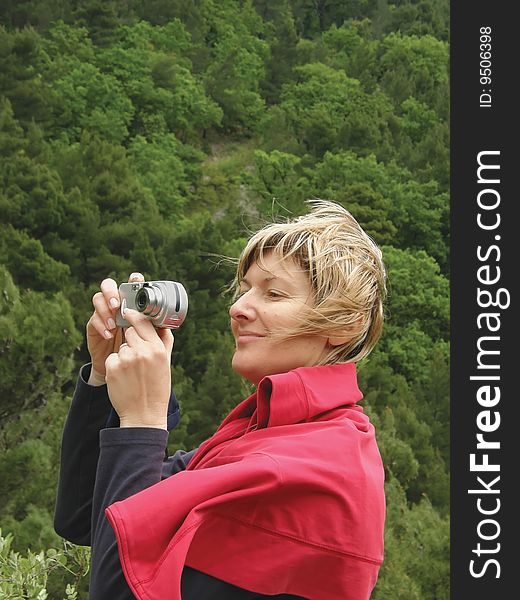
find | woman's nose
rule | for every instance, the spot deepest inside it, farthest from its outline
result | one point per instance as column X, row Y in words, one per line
column 242, row 308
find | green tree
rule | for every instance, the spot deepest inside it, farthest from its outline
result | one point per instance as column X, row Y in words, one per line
column 168, row 169
column 408, row 448
column 416, row 564
column 281, row 34
column 156, row 76
column 189, row 110
column 28, row 262
column 276, row 176
column 64, row 43
column 93, row 101
column 326, row 110
column 414, row 66
column 11, row 133
column 20, row 82
column 219, row 391
column 423, row 17
column 129, row 221
column 100, row 17
column 315, row 16
column 38, row 338
column 32, row 198
column 433, row 402
column 418, row 292
column 237, row 68
column 417, row 119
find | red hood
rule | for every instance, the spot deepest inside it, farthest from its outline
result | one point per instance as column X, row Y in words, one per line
column 286, row 497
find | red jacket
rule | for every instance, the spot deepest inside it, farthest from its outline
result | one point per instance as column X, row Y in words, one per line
column 286, row 497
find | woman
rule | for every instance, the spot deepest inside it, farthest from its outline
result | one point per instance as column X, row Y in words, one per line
column 286, row 499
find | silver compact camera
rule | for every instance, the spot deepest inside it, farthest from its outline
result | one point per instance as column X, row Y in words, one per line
column 164, row 303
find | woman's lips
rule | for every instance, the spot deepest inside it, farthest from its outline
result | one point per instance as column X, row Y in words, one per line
column 246, row 336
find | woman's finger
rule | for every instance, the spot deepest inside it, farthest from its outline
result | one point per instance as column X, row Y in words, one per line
column 143, row 327
column 167, row 339
column 103, row 311
column 125, row 353
column 111, row 363
column 101, row 327
column 110, row 291
column 132, row 338
column 135, row 277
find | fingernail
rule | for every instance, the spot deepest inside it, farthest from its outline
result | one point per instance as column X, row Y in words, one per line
column 135, row 276
column 108, row 335
column 111, row 323
column 114, row 302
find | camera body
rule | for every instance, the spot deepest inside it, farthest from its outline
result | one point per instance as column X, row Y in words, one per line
column 164, row 303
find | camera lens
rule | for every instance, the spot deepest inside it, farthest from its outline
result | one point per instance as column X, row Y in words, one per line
column 141, row 300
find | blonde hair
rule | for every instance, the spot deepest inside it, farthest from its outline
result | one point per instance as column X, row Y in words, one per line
column 345, row 270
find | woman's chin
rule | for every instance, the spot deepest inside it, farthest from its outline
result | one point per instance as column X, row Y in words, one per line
column 245, row 370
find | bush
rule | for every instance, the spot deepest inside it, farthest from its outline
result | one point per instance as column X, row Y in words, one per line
column 28, row 576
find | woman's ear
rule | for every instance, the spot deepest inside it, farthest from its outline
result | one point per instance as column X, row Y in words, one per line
column 339, row 340
column 343, row 336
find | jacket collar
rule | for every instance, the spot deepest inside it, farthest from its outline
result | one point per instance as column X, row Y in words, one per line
column 304, row 393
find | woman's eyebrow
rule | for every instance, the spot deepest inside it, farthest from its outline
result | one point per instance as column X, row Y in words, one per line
column 265, row 279
column 286, row 283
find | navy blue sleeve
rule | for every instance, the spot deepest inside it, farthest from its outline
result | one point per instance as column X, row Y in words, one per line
column 90, row 411
column 130, row 460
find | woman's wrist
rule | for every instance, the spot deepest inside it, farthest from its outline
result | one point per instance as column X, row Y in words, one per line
column 143, row 422
column 96, row 378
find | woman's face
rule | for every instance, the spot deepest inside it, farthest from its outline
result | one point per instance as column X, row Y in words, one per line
column 271, row 298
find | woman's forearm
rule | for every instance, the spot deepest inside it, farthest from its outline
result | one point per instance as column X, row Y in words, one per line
column 131, row 459
column 88, row 414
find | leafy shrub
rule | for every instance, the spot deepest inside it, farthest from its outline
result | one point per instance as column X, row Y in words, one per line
column 28, row 577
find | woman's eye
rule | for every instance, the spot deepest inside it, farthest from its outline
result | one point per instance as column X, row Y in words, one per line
column 274, row 294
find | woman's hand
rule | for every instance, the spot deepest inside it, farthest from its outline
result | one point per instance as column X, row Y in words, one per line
column 103, row 337
column 138, row 375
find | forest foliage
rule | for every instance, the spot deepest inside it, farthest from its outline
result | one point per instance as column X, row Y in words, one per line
column 154, row 136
